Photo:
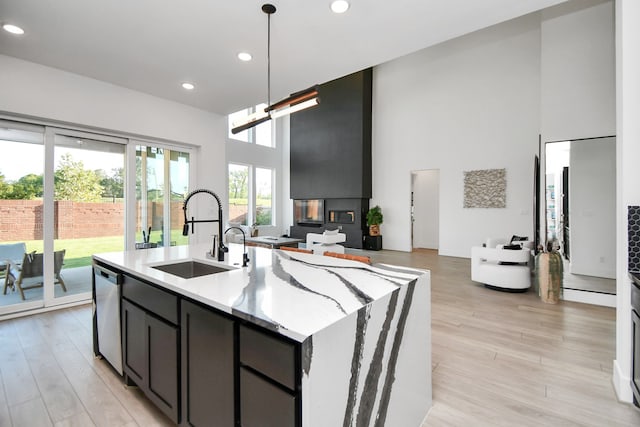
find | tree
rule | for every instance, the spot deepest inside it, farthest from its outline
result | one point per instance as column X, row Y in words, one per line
column 28, row 187
column 238, row 183
column 5, row 187
column 113, row 185
column 74, row 182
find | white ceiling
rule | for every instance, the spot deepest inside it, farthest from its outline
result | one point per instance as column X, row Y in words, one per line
column 154, row 45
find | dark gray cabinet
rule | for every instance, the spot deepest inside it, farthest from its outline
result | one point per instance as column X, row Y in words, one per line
column 263, row 403
column 134, row 342
column 150, row 344
column 268, row 380
column 207, row 367
column 162, row 384
column 204, row 368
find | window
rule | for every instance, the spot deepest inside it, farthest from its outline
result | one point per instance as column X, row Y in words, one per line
column 264, row 196
column 238, row 194
column 65, row 195
column 251, row 195
column 162, row 182
column 259, row 135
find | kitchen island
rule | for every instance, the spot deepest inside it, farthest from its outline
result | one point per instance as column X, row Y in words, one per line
column 291, row 340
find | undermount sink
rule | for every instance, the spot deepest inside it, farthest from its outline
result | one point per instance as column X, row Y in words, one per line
column 190, row 269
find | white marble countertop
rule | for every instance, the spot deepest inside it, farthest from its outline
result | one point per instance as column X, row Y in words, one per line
column 295, row 294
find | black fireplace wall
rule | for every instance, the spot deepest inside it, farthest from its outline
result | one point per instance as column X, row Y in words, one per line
column 330, row 144
column 330, row 152
column 349, row 215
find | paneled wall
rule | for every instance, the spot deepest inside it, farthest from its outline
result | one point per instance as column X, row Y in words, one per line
column 331, row 143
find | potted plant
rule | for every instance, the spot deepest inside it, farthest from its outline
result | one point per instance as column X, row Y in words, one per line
column 374, row 219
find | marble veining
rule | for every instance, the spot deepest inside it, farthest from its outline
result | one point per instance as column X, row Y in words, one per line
column 370, row 389
column 374, row 364
column 356, row 364
column 281, row 273
column 393, row 358
column 294, row 294
column 364, row 331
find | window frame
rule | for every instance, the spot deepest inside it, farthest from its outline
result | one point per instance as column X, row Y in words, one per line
column 252, row 133
column 252, row 194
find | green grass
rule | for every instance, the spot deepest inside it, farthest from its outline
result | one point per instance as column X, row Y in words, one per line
column 79, row 251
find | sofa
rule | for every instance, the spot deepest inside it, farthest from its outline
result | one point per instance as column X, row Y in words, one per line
column 503, row 264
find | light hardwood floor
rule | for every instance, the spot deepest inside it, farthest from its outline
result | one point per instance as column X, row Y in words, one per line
column 499, row 359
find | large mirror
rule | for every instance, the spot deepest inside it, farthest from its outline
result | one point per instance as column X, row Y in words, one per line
column 580, row 188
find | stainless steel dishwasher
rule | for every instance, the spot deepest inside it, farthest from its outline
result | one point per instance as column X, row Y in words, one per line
column 107, row 291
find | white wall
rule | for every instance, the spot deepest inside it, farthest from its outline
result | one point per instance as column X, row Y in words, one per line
column 578, row 74
column 467, row 104
column 628, row 175
column 30, row 89
column 592, row 207
column 426, row 209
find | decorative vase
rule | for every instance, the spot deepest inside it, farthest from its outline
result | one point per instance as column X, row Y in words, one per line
column 549, row 270
column 374, row 230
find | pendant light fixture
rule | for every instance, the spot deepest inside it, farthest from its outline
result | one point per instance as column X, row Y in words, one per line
column 295, row 102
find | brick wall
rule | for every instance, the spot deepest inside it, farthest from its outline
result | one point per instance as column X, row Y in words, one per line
column 23, row 219
column 154, row 215
column 75, row 220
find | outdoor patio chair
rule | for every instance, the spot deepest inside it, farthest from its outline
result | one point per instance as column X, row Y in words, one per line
column 10, row 253
column 32, row 268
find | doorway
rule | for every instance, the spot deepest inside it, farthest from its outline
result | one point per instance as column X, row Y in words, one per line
column 88, row 208
column 61, row 194
column 425, row 209
column 66, row 194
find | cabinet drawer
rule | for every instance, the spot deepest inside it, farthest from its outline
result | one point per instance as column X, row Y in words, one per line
column 155, row 300
column 272, row 357
column 263, row 404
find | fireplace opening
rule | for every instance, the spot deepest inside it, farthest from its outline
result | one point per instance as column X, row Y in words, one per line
column 342, row 217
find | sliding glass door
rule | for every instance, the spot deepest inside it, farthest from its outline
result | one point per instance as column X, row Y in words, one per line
column 162, row 182
column 21, row 218
column 66, row 195
column 88, row 208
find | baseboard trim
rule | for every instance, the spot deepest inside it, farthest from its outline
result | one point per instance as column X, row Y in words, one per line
column 621, row 384
column 606, row 300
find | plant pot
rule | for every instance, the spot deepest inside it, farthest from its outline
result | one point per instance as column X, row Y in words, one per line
column 549, row 276
column 374, row 230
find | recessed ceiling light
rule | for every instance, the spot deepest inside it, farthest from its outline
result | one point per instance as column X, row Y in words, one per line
column 244, row 56
column 339, row 6
column 188, row 86
column 13, row 29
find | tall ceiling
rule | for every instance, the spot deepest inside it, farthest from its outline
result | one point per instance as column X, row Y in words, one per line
column 154, row 45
